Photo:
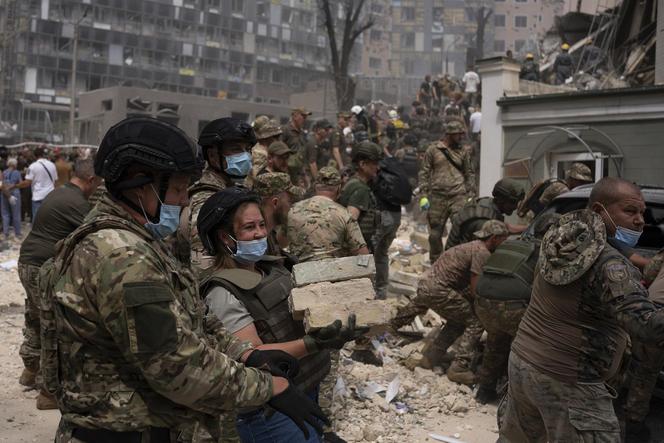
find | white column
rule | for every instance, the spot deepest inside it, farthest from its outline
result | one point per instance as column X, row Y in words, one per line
column 499, row 75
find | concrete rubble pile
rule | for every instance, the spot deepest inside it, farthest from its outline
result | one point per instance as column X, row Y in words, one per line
column 385, row 403
column 331, row 289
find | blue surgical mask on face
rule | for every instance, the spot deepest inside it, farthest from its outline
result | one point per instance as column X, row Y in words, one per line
column 250, row 251
column 624, row 235
column 238, row 165
column 169, row 220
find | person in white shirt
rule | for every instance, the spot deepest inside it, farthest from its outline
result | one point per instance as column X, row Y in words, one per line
column 471, row 81
column 475, row 123
column 41, row 178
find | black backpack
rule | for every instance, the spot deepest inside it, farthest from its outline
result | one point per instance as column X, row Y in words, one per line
column 392, row 185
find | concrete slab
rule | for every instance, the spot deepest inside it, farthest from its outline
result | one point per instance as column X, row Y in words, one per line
column 334, row 270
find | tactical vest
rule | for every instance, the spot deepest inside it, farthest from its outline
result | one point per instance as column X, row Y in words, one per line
column 266, row 300
column 508, row 273
column 481, row 209
column 370, row 219
column 108, row 370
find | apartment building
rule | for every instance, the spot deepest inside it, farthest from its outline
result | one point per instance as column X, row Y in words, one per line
column 261, row 51
column 521, row 24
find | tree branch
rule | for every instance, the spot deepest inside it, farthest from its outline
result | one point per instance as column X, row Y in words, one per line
column 331, row 35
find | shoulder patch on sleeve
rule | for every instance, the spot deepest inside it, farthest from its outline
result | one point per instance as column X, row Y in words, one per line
column 151, row 324
column 616, row 271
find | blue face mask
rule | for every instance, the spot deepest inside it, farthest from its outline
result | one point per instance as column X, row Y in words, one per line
column 625, row 235
column 250, row 251
column 169, row 220
column 238, row 165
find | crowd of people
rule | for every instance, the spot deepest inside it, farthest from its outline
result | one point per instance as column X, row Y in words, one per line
column 157, row 304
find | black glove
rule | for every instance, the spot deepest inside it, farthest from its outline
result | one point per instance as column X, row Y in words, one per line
column 300, row 409
column 333, row 336
column 277, row 362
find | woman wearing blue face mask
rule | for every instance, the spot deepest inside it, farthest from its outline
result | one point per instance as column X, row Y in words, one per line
column 248, row 291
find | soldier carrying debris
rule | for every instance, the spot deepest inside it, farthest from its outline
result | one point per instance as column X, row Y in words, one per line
column 449, row 289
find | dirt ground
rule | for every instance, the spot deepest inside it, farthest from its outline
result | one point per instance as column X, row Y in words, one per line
column 425, row 402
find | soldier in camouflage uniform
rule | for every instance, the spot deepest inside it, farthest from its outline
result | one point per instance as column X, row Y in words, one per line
column 449, row 289
column 578, row 174
column 587, row 297
column 295, row 136
column 277, row 194
column 128, row 352
column 506, row 195
column 225, row 144
column 647, row 362
column 338, row 140
column 267, row 132
column 357, row 195
column 447, row 179
column 278, row 155
column 319, row 228
column 503, row 292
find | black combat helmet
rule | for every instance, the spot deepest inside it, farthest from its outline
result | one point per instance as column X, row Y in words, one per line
column 158, row 145
column 366, row 150
column 217, row 209
column 224, row 130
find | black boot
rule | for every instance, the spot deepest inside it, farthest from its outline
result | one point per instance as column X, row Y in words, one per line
column 486, row 394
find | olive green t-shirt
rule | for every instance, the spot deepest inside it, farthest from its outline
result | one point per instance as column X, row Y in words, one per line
column 62, row 211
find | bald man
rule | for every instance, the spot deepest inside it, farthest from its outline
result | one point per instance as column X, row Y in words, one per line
column 586, row 298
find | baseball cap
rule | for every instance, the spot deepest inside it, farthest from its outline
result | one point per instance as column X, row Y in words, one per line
column 300, row 110
column 580, row 172
column 278, row 148
column 490, row 228
column 273, row 183
column 323, row 123
column 328, row 176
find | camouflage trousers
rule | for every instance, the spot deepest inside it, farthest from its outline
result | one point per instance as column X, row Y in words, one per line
column 442, row 208
column 461, row 321
column 31, row 347
column 65, row 431
column 540, row 409
column 646, row 364
column 382, row 239
column 501, row 321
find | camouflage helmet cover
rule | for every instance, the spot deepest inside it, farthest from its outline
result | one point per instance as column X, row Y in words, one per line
column 580, row 172
column 328, row 176
column 274, row 183
column 454, row 127
column 571, row 246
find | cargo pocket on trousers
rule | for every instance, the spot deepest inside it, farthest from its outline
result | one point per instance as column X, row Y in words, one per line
column 595, row 423
column 151, row 324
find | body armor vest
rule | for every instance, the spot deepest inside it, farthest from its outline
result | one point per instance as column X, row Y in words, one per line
column 267, row 302
column 508, row 273
column 481, row 209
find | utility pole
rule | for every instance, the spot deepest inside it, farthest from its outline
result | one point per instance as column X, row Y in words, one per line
column 74, row 66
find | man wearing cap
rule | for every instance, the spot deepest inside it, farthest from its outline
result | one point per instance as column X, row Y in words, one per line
column 338, row 139
column 357, row 195
column 587, row 298
column 318, row 150
column 278, row 154
column 447, row 179
column 319, row 228
column 295, row 138
column 578, row 174
column 267, row 132
column 277, row 196
column 225, row 143
column 449, row 289
column 530, row 69
column 507, row 193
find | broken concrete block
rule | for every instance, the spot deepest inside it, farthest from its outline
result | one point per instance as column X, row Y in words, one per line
column 401, row 289
column 405, row 278
column 334, row 270
column 327, row 294
column 368, row 313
